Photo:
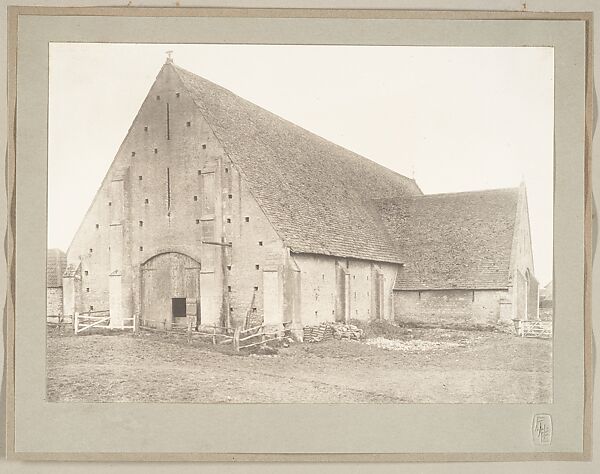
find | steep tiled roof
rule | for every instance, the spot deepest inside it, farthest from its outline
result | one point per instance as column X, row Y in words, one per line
column 461, row 240
column 56, row 261
column 317, row 195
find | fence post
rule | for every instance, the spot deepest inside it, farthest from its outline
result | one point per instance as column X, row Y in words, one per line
column 189, row 329
column 214, row 338
column 75, row 322
column 236, row 339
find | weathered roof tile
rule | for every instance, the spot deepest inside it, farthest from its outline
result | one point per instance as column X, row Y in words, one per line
column 460, row 240
column 317, row 195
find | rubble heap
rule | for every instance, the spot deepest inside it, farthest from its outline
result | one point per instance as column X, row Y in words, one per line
column 327, row 331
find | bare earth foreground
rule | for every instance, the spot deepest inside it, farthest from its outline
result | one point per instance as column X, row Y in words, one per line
column 433, row 366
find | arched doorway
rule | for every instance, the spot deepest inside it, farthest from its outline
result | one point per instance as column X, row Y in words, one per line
column 170, row 287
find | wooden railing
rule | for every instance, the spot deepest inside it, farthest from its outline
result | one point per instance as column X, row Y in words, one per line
column 98, row 319
column 216, row 334
column 255, row 336
column 131, row 326
column 533, row 328
column 85, row 321
column 240, row 338
column 250, row 309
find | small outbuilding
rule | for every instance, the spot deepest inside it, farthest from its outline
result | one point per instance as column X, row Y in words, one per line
column 56, row 261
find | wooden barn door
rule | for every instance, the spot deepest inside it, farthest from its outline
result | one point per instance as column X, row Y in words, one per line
column 192, row 292
column 169, row 280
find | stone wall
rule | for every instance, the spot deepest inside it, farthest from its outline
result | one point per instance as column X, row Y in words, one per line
column 256, row 248
column 524, row 286
column 152, row 201
column 449, row 306
column 319, row 288
column 172, row 189
column 546, row 309
column 54, row 301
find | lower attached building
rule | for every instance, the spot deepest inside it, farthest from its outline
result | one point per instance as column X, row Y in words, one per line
column 471, row 259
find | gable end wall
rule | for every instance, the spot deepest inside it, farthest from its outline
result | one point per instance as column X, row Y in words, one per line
column 124, row 231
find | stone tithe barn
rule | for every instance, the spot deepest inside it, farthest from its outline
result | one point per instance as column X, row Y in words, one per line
column 216, row 207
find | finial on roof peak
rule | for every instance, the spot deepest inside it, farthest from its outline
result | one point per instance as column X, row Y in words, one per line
column 169, row 56
column 522, row 183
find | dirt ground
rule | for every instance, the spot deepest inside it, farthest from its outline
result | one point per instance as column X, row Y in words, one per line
column 422, row 366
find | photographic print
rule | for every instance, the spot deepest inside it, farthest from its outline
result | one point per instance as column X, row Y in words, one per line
column 299, row 224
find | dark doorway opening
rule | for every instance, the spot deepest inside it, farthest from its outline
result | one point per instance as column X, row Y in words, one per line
column 178, row 307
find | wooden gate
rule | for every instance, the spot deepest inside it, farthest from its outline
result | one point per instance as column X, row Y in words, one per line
column 529, row 328
column 167, row 280
column 91, row 319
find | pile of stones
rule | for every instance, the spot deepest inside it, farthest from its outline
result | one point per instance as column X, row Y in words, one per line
column 327, row 331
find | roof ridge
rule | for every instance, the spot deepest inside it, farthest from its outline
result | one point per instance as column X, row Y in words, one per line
column 475, row 191
column 457, row 240
column 457, row 193
column 231, row 159
column 279, row 117
column 313, row 192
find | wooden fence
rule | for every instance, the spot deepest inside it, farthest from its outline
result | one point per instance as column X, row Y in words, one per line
column 533, row 328
column 239, row 338
column 216, row 334
column 98, row 319
column 255, row 336
column 84, row 321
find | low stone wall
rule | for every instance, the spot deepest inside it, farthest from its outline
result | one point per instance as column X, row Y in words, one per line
column 54, row 301
column 447, row 307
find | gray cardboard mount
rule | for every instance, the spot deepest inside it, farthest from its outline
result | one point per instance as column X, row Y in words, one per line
column 312, row 432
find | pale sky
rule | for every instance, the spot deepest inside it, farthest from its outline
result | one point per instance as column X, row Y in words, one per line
column 455, row 119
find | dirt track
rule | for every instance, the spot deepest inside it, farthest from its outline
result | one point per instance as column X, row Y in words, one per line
column 438, row 366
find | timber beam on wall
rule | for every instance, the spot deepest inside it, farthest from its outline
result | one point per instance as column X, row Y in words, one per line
column 222, row 244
